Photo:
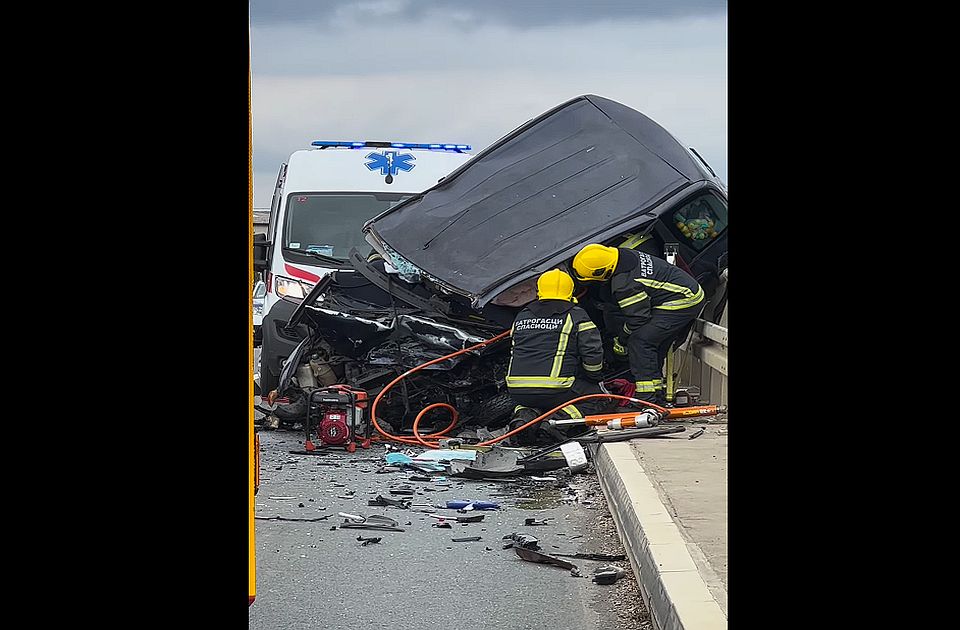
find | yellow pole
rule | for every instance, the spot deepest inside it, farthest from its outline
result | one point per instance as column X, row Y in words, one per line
column 254, row 455
column 670, row 384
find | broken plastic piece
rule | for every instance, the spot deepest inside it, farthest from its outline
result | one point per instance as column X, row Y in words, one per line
column 593, row 556
column 282, row 518
column 439, row 454
column 403, row 504
column 368, row 541
column 533, row 521
column 522, row 540
column 398, row 458
column 443, row 524
column 467, row 539
column 472, row 505
column 608, row 574
column 473, row 518
column 376, row 526
column 541, row 558
column 575, row 456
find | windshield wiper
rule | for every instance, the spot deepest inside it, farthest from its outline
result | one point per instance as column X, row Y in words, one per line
column 338, row 262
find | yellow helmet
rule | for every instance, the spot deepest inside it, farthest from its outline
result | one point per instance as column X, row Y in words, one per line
column 595, row 262
column 555, row 285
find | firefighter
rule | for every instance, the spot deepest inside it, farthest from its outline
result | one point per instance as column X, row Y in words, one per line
column 649, row 302
column 556, row 356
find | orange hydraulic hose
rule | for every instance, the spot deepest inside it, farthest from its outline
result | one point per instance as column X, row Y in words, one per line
column 416, row 442
column 421, row 440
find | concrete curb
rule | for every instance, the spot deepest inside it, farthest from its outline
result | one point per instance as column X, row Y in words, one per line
column 673, row 589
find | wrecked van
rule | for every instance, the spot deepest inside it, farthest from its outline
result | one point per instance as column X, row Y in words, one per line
column 455, row 263
column 322, row 197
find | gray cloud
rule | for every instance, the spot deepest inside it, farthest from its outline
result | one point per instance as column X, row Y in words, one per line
column 517, row 13
column 434, row 84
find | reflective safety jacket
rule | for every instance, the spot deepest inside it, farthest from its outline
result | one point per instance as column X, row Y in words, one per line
column 642, row 282
column 552, row 340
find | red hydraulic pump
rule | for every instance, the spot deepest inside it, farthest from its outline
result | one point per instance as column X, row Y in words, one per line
column 339, row 415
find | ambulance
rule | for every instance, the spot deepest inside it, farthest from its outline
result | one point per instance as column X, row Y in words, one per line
column 323, row 197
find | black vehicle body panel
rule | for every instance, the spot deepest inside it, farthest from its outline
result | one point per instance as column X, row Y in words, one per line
column 583, row 172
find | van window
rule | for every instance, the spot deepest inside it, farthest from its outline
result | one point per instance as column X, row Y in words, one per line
column 700, row 221
column 329, row 223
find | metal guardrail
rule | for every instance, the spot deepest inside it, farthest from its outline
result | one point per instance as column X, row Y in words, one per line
column 702, row 361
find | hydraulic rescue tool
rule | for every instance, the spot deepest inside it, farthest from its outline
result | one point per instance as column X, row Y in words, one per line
column 640, row 420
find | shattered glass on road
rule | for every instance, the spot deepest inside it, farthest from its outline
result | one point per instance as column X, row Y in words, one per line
column 310, row 575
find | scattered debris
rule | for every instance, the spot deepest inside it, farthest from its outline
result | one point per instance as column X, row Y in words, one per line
column 594, row 556
column 608, row 574
column 541, row 558
column 697, row 434
column 467, row 539
column 282, row 498
column 375, row 521
column 368, row 541
column 533, row 521
column 472, row 505
column 402, row 491
column 629, row 434
column 575, row 456
column 522, row 540
column 398, row 458
column 301, row 505
column 474, row 518
column 543, row 478
column 383, row 501
column 283, row 518
column 496, row 463
column 420, row 478
column 438, row 455
column 443, row 525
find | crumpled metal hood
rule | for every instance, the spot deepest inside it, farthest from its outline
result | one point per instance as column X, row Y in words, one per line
column 534, row 197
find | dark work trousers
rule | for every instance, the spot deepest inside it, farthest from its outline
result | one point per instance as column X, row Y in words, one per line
column 543, row 402
column 648, row 345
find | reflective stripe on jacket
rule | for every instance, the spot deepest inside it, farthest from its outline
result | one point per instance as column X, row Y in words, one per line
column 552, row 340
column 642, row 282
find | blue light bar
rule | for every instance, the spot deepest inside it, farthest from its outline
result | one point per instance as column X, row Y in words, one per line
column 395, row 145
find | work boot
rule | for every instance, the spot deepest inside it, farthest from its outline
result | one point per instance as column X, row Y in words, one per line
column 521, row 416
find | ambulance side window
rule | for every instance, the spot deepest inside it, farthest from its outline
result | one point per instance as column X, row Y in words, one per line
column 698, row 222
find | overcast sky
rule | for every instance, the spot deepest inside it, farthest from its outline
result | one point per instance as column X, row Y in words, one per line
column 471, row 71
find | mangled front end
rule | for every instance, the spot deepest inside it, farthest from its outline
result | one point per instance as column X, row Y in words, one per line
column 362, row 336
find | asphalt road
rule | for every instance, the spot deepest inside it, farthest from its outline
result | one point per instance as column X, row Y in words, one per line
column 311, row 577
